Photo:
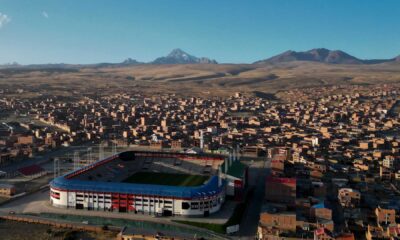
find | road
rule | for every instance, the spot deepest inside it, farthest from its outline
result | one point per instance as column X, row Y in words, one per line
column 248, row 226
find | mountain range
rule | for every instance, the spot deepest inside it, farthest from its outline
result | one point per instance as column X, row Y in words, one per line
column 178, row 56
column 323, row 55
column 174, row 73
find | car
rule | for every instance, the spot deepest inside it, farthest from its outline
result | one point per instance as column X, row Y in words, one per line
column 11, row 212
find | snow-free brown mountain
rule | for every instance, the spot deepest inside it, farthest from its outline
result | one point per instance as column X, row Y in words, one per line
column 322, row 55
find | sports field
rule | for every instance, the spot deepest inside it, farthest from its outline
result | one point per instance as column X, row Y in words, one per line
column 169, row 179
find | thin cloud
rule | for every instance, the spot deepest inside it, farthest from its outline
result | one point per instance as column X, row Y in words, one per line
column 4, row 19
column 44, row 13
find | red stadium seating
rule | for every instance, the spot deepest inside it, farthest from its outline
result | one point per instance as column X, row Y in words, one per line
column 31, row 170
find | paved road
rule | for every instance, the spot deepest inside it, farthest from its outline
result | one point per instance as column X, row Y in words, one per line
column 248, row 227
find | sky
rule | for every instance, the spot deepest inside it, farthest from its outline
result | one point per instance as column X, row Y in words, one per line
column 234, row 31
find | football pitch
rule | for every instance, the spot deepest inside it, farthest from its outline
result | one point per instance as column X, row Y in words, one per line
column 169, row 179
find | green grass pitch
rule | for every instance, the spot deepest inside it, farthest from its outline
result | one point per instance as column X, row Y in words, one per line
column 170, row 179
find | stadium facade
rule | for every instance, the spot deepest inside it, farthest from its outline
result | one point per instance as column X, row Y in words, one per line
column 102, row 186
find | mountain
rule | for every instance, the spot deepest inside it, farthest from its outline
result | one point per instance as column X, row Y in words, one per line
column 316, row 55
column 323, row 55
column 10, row 65
column 130, row 61
column 126, row 62
column 178, row 56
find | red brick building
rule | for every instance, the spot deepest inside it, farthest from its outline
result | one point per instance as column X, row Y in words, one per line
column 281, row 190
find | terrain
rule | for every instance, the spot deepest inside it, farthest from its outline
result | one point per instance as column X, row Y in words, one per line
column 201, row 79
column 11, row 230
column 325, row 56
column 184, row 74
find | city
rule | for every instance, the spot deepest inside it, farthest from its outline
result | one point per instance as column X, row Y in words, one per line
column 256, row 141
column 333, row 156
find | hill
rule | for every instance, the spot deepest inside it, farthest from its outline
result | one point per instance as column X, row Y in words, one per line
column 321, row 55
column 202, row 79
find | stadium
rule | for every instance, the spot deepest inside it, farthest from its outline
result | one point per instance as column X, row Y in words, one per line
column 158, row 183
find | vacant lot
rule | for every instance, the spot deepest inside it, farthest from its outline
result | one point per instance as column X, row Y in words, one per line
column 166, row 179
column 10, row 230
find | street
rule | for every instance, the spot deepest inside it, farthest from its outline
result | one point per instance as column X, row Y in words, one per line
column 258, row 172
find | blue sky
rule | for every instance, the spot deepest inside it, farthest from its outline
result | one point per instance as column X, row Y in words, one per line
column 90, row 31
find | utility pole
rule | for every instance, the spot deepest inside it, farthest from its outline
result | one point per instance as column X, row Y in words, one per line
column 76, row 160
column 201, row 140
column 101, row 151
column 56, row 167
column 114, row 148
column 89, row 156
column 238, row 152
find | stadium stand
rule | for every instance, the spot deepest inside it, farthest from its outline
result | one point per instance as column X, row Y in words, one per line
column 31, row 170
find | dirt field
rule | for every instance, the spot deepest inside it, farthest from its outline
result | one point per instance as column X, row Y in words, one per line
column 2, row 199
column 10, row 230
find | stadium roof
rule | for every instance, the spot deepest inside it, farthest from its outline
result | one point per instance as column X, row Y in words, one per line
column 67, row 182
column 208, row 189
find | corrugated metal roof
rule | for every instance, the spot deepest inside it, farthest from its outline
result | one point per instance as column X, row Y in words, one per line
column 319, row 205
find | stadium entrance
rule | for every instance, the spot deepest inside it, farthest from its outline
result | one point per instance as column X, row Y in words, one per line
column 167, row 213
column 206, row 213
